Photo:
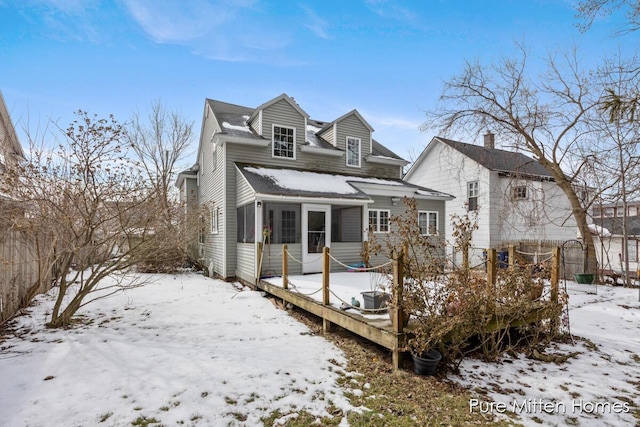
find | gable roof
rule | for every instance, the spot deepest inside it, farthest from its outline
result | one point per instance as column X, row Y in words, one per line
column 233, row 120
column 499, row 160
column 8, row 132
column 353, row 112
column 283, row 97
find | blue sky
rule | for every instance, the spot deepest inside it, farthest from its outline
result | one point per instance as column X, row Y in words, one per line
column 385, row 58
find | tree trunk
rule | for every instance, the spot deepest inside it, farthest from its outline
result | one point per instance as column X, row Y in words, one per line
column 580, row 215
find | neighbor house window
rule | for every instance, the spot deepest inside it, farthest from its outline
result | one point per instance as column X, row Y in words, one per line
column 428, row 222
column 353, row 152
column 472, row 195
column 214, row 157
column 284, row 144
column 519, row 192
column 379, row 220
column 246, row 216
column 632, row 250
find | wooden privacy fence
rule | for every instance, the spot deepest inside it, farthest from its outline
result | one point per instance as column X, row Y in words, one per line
column 572, row 253
column 19, row 272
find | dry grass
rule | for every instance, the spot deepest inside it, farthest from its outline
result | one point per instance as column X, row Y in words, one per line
column 399, row 398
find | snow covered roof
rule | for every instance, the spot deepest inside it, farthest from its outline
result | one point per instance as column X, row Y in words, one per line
column 500, row 160
column 613, row 225
column 302, row 183
column 233, row 121
column 599, row 231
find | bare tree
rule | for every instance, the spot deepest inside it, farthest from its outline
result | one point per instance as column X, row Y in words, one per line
column 589, row 10
column 95, row 209
column 619, row 161
column 546, row 117
column 159, row 144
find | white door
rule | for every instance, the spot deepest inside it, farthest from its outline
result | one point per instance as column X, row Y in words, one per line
column 316, row 234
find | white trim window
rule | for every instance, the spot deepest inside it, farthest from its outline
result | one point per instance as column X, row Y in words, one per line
column 215, row 220
column 428, row 222
column 472, row 195
column 284, row 142
column 519, row 192
column 379, row 220
column 214, row 156
column 354, row 150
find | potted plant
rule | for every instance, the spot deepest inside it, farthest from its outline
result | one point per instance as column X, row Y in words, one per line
column 584, row 278
column 377, row 297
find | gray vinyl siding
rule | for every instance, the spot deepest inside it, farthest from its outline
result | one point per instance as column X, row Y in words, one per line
column 256, row 124
column 245, row 261
column 272, row 259
column 283, row 114
column 384, row 203
column 351, row 126
column 308, row 161
column 245, row 193
column 329, row 135
column 347, row 253
column 211, row 194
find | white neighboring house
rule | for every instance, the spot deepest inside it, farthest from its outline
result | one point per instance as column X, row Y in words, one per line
column 607, row 229
column 514, row 196
column 10, row 149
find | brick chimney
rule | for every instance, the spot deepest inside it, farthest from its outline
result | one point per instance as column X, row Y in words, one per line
column 489, row 140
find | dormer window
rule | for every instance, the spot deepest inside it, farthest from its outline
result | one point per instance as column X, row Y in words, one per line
column 284, row 144
column 353, row 151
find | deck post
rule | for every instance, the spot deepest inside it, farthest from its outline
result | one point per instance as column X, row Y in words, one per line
column 259, row 264
column 365, row 253
column 555, row 279
column 512, row 255
column 555, row 273
column 491, row 266
column 326, row 273
column 285, row 266
column 397, row 314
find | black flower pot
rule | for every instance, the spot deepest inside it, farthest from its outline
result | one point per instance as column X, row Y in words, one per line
column 426, row 363
column 585, row 278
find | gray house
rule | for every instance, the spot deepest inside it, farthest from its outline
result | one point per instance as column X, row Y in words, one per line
column 273, row 175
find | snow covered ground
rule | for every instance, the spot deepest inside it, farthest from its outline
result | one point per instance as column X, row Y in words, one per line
column 600, row 386
column 184, row 349
column 204, row 352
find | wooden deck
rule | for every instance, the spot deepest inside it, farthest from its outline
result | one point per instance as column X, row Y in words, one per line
column 379, row 331
column 389, row 334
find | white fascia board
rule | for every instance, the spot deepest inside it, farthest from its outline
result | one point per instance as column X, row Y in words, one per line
column 221, row 139
column 398, row 191
column 386, row 161
column 321, row 151
column 316, row 200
